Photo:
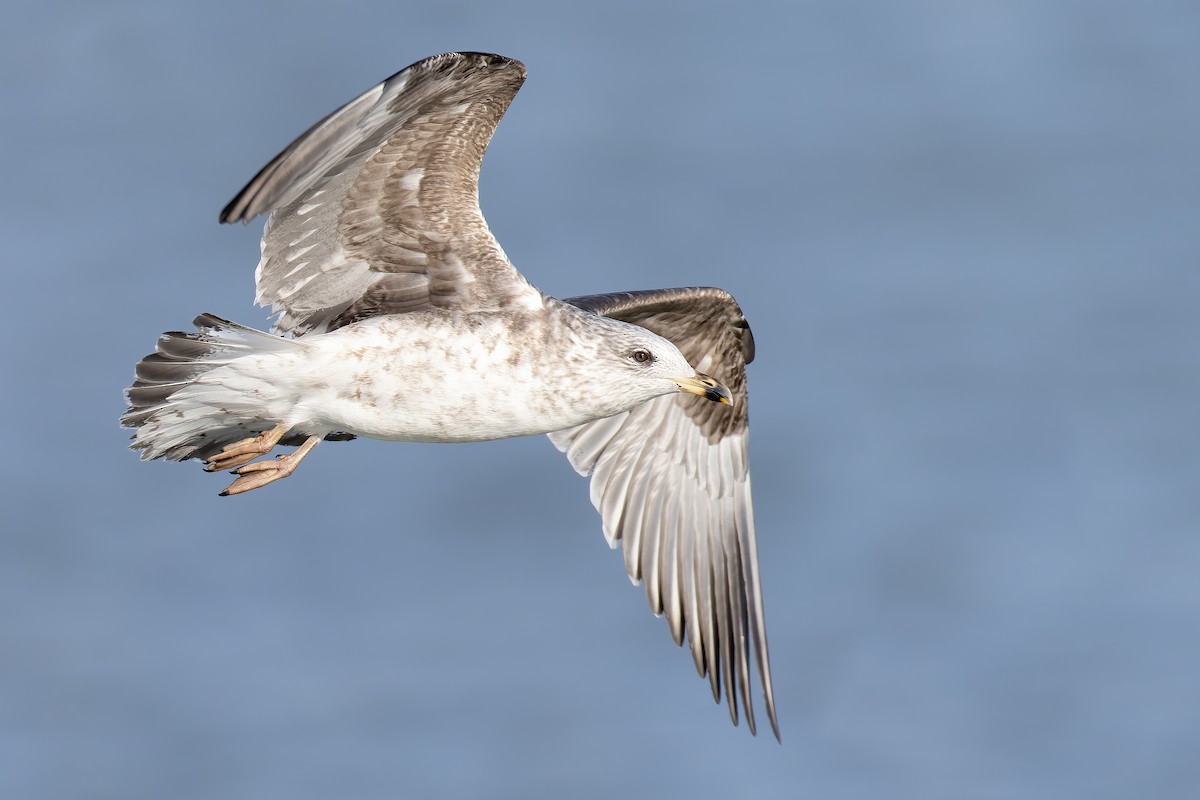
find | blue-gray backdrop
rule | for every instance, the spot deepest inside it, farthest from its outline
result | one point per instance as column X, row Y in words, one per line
column 966, row 236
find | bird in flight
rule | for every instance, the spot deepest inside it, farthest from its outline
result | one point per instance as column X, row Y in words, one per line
column 399, row 317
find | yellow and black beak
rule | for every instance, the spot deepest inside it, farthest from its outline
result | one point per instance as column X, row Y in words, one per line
column 706, row 387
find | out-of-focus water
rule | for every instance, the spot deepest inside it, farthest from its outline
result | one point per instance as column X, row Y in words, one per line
column 966, row 238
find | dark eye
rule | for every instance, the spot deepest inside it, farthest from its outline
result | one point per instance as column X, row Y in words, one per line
column 642, row 356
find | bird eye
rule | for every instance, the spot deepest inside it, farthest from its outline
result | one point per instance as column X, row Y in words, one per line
column 642, row 356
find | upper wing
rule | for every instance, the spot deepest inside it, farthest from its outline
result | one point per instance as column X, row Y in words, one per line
column 671, row 481
column 375, row 209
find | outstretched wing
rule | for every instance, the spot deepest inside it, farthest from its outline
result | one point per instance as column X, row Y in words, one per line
column 671, row 480
column 375, row 210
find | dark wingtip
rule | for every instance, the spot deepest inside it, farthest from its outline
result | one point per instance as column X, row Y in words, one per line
column 248, row 204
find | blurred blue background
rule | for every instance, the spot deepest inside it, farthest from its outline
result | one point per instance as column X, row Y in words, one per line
column 966, row 237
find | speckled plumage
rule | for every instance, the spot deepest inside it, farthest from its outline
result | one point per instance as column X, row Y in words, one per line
column 400, row 318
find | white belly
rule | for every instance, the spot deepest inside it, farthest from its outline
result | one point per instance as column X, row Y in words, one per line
column 386, row 378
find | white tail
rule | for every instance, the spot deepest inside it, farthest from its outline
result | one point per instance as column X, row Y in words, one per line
column 176, row 414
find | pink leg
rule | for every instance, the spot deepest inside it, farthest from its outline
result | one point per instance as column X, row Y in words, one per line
column 260, row 473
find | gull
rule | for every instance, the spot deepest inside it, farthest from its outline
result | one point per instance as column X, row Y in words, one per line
column 397, row 316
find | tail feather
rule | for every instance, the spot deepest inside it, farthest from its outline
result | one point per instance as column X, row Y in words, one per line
column 175, row 414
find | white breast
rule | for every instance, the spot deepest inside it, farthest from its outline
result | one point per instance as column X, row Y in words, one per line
column 437, row 378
